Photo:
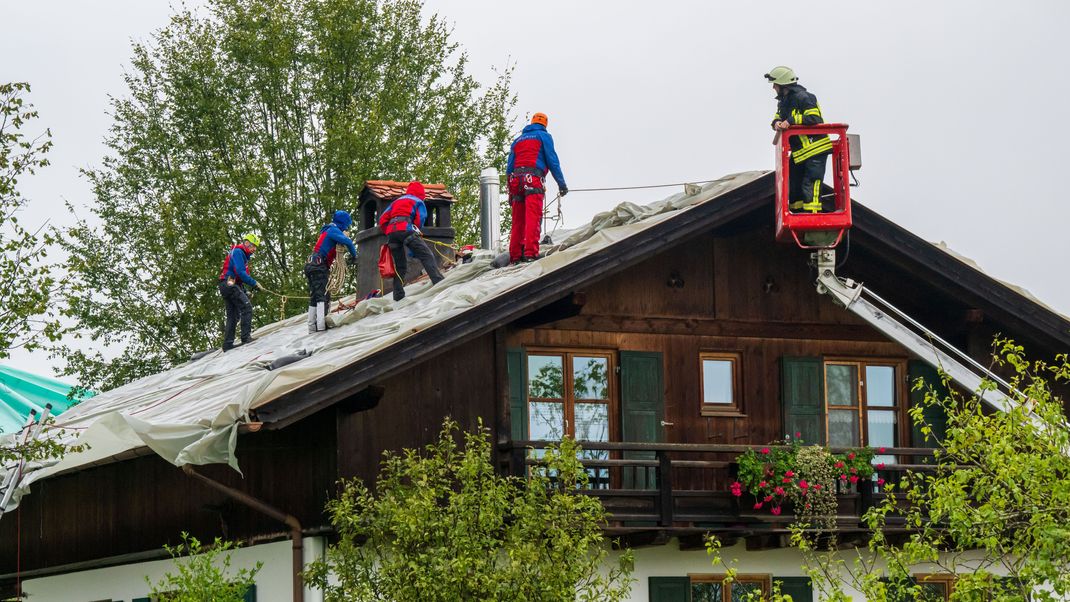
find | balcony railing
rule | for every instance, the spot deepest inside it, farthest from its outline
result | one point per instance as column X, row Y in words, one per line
column 684, row 487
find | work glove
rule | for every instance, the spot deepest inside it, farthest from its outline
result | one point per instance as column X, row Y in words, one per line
column 351, row 260
column 563, row 191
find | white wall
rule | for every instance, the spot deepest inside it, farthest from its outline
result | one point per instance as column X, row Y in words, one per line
column 273, row 582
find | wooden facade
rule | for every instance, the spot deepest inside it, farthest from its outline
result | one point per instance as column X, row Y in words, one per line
column 725, row 292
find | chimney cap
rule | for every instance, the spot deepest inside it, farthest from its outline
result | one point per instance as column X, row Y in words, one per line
column 390, row 190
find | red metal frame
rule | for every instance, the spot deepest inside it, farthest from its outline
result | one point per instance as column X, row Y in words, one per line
column 790, row 225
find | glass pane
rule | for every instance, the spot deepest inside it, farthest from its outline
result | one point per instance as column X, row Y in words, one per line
column 933, row 592
column 717, row 381
column 880, row 386
column 740, row 590
column 706, row 592
column 545, row 377
column 592, row 422
column 547, row 420
column 590, row 377
column 843, row 428
column 842, row 383
column 881, row 428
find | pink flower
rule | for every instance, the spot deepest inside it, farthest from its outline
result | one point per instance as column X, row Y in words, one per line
column 843, row 477
column 818, row 487
column 880, row 466
column 881, row 450
column 851, row 456
column 764, row 451
column 854, row 471
column 779, row 491
column 807, row 506
column 854, row 479
column 775, row 510
column 768, row 498
column 798, row 434
column 880, row 482
column 785, row 480
column 737, row 489
column 758, row 506
column 762, row 485
column 839, row 465
column 803, row 484
column 789, row 474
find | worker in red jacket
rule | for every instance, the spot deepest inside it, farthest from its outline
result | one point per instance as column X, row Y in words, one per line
column 232, row 281
column 401, row 224
column 531, row 155
column 809, row 154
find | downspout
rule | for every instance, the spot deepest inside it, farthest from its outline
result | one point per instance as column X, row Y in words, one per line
column 290, row 521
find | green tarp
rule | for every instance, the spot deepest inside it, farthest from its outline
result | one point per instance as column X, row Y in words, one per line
column 21, row 392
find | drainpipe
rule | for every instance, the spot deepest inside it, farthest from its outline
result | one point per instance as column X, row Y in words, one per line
column 489, row 221
column 291, row 522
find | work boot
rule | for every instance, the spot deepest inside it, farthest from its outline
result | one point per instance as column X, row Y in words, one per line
column 399, row 294
column 311, row 319
column 227, row 347
column 321, row 316
column 248, row 340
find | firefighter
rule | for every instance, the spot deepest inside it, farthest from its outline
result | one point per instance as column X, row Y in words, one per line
column 401, row 224
column 531, row 155
column 232, row 280
column 318, row 268
column 797, row 106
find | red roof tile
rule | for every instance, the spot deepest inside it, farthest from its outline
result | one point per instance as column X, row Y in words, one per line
column 389, row 189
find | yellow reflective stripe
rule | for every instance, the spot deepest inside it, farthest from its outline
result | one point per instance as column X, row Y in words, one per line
column 817, row 192
column 811, row 150
column 796, row 116
column 815, row 111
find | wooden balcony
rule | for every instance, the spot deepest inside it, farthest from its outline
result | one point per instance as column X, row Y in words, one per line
column 662, row 490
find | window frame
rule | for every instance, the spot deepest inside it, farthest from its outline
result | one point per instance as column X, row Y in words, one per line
column 900, row 396
column 721, row 409
column 568, row 399
column 764, row 579
column 947, row 579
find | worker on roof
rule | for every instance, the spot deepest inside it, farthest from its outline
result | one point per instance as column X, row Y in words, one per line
column 797, row 106
column 401, row 224
column 232, row 280
column 318, row 268
column 531, row 155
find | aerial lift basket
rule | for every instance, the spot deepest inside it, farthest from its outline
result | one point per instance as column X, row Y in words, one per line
column 815, row 230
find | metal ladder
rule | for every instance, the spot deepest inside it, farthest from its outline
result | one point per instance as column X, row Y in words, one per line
column 12, row 476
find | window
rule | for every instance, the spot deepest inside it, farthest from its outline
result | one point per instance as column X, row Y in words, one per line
column 711, row 588
column 863, row 401
column 935, row 587
column 569, row 393
column 720, row 383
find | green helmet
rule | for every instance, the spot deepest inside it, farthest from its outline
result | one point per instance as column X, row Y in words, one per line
column 253, row 238
column 781, row 75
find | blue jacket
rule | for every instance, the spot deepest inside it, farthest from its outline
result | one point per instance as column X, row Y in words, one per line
column 236, row 266
column 534, row 147
column 410, row 208
column 331, row 235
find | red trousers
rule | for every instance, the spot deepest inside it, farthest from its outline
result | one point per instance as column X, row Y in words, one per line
column 527, row 219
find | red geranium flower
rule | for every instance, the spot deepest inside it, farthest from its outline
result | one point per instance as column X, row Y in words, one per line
column 854, row 479
column 851, row 456
column 881, row 450
column 803, row 484
column 843, row 477
column 768, row 498
column 880, row 466
column 779, row 491
column 762, row 485
column 818, row 487
column 839, row 465
column 785, row 480
column 798, row 434
column 880, row 482
column 737, row 489
column 775, row 510
column 854, row 471
column 764, row 451
column 789, row 474
column 758, row 506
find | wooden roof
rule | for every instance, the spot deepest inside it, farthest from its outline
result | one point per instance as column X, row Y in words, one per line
column 390, row 190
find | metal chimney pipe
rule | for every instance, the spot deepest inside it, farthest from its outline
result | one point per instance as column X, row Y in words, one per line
column 489, row 219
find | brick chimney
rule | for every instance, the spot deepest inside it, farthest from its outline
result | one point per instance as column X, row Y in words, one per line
column 374, row 199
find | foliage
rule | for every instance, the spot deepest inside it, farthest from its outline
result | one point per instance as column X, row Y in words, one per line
column 27, row 285
column 792, row 471
column 442, row 525
column 41, row 449
column 262, row 116
column 204, row 575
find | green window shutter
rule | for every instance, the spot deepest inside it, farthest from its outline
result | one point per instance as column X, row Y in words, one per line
column 250, row 594
column 518, row 407
column 935, row 416
column 799, row 588
column 670, row 589
column 642, row 405
column 802, row 396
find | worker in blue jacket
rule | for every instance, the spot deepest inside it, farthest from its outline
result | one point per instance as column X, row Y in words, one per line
column 401, row 222
column 318, row 267
column 530, row 157
column 232, row 281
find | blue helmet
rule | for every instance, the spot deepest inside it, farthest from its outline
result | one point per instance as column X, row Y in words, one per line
column 343, row 219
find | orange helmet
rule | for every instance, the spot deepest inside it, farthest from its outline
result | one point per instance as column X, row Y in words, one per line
column 540, row 118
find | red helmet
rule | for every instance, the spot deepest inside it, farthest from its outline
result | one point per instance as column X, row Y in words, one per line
column 416, row 189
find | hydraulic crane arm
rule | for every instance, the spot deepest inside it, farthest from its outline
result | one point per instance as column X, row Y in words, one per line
column 904, row 330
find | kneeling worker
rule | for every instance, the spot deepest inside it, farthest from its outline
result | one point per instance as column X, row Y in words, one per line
column 318, row 268
column 401, row 224
column 232, row 280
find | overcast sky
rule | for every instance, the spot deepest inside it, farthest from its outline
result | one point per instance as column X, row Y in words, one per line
column 961, row 105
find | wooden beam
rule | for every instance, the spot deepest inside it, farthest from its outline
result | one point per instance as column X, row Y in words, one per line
column 365, row 399
column 722, row 328
column 563, row 308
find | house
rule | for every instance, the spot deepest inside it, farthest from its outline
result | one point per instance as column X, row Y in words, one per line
column 669, row 337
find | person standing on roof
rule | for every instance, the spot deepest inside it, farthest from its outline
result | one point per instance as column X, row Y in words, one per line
column 531, row 155
column 401, row 224
column 232, row 280
column 797, row 106
column 318, row 268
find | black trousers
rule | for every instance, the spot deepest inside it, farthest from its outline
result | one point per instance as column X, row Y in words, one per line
column 238, row 308
column 400, row 243
column 317, row 275
column 804, row 179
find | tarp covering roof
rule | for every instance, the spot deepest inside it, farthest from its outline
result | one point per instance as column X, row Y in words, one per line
column 190, row 414
column 21, row 392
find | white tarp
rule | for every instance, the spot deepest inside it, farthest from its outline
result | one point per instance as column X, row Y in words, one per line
column 190, row 414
